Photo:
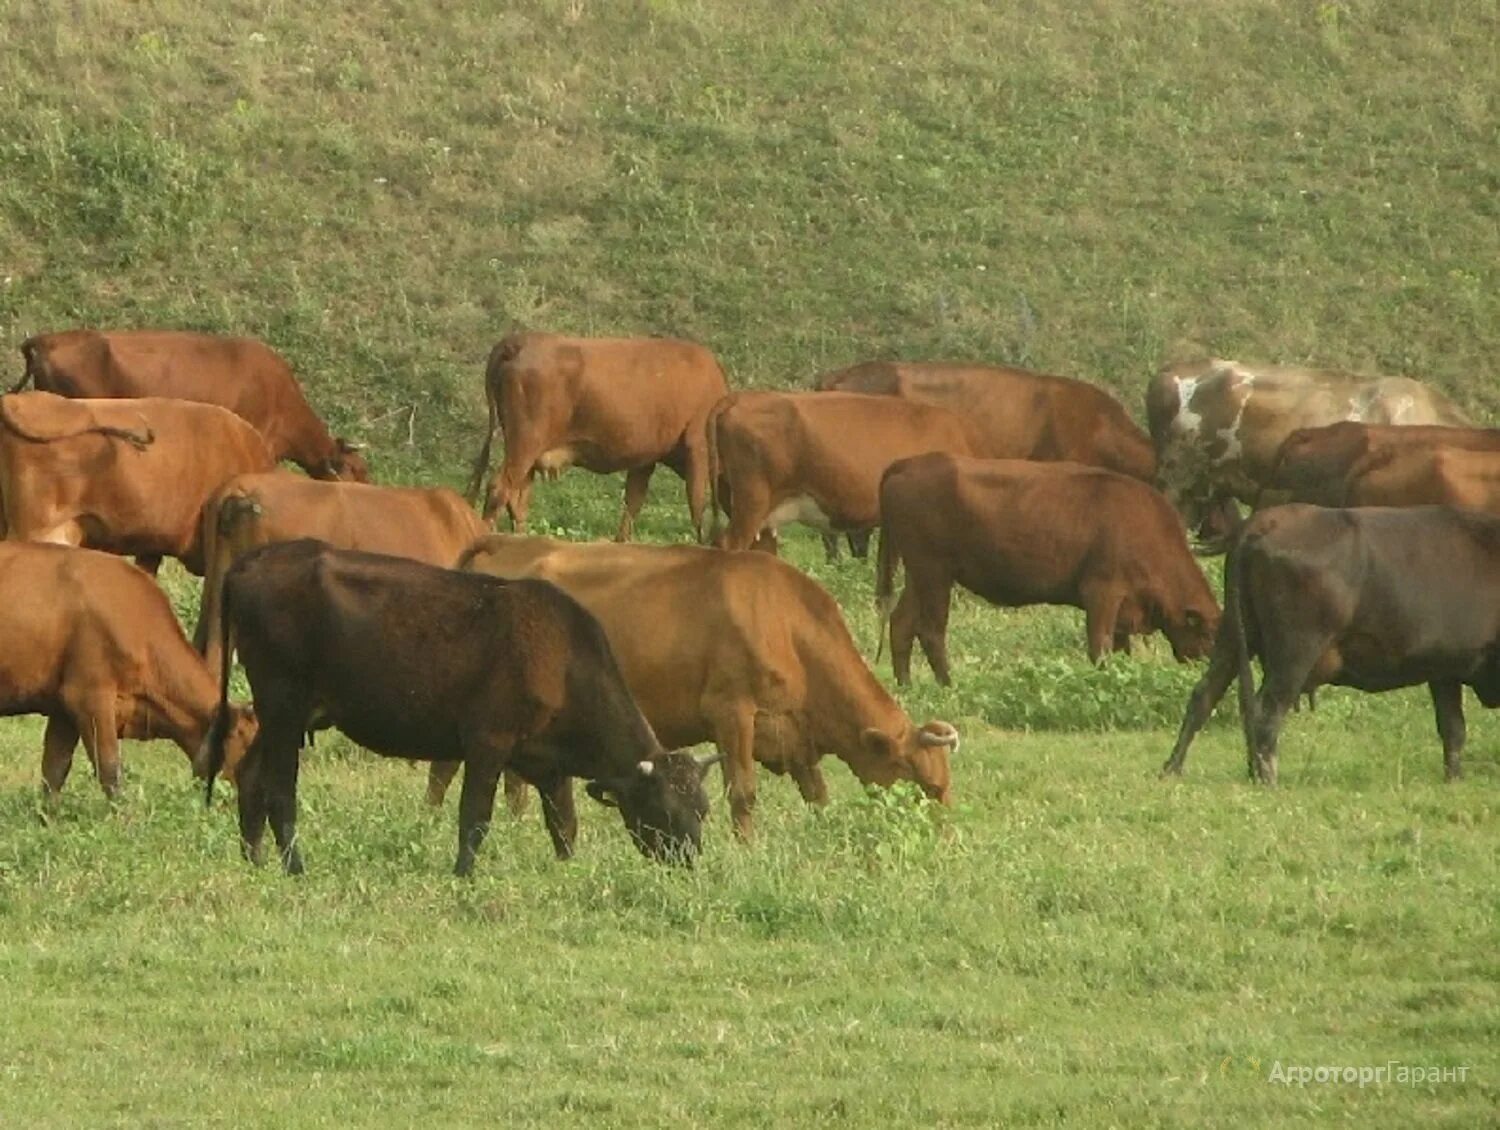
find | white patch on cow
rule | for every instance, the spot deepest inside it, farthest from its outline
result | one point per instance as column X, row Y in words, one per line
column 800, row 508
column 1230, row 436
column 1186, row 422
column 1401, row 408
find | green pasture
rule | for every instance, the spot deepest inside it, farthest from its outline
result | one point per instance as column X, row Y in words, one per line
column 381, row 191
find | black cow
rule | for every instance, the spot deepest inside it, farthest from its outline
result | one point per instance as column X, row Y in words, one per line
column 414, row 661
column 1373, row 598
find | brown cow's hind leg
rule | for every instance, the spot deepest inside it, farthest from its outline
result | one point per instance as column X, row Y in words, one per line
column 637, row 483
column 559, row 815
column 58, row 744
column 734, row 733
column 476, row 804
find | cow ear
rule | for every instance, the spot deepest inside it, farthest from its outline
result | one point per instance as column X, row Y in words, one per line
column 879, row 744
column 602, row 793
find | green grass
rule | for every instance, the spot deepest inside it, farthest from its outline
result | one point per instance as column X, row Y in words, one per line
column 382, row 191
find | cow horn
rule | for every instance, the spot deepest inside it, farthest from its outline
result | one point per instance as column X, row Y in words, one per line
column 940, row 733
column 646, row 768
column 707, row 761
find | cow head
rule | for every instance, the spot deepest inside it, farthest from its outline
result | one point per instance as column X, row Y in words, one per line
column 920, row 754
column 241, row 732
column 1192, row 631
column 663, row 804
column 346, row 464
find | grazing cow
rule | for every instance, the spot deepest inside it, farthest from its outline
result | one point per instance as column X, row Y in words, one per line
column 238, row 373
column 1218, row 426
column 414, row 661
column 604, row 404
column 1374, row 598
column 1350, row 464
column 1017, row 532
column 58, row 483
column 88, row 640
column 815, row 457
column 739, row 649
column 1015, row 413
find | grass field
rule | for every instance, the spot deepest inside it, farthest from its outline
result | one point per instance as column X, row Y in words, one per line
column 1090, row 188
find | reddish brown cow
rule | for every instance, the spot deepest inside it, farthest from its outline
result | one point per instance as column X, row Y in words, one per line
column 1015, row 413
column 238, row 373
column 59, row 482
column 1015, row 533
column 1394, row 465
column 604, row 404
column 89, row 641
column 739, row 649
column 815, row 457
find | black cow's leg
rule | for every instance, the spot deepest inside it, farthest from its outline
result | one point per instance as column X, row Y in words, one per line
column 903, row 628
column 250, row 791
column 1201, row 703
column 1272, row 704
column 476, row 804
column 279, row 785
column 559, row 814
column 830, row 546
column 440, row 775
column 1448, row 704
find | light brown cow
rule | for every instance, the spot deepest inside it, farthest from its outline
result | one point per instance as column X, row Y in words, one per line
column 241, row 374
column 815, row 457
column 1014, row 413
column 1218, row 426
column 431, row 524
column 89, row 641
column 57, row 485
column 1016, row 533
column 604, row 404
column 1331, row 465
column 739, row 649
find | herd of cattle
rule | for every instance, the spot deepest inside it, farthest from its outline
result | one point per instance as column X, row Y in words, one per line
column 394, row 614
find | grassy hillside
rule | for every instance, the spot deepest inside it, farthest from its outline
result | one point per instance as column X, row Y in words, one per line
column 1086, row 188
column 382, row 190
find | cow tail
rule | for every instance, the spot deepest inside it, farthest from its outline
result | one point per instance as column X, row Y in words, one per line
column 887, row 561
column 1234, row 607
column 218, row 730
column 711, row 425
column 28, row 354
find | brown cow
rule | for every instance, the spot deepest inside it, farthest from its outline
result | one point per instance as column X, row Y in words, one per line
column 1350, row 464
column 1018, row 532
column 88, row 640
column 238, row 373
column 604, row 404
column 92, row 490
column 422, row 663
column 1219, row 425
column 1015, row 413
column 815, row 457
column 739, row 649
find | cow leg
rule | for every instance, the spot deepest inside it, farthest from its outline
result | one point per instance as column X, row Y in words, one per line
column 1272, row 704
column 511, row 488
column 1448, row 704
column 251, row 802
column 903, row 632
column 58, row 744
column 101, row 738
column 476, row 804
column 734, row 733
column 150, row 563
column 637, row 482
column 559, row 815
column 1101, row 610
column 1201, row 703
column 279, row 788
column 276, row 746
column 830, row 547
column 752, row 505
column 933, row 597
column 440, row 775
column 810, row 782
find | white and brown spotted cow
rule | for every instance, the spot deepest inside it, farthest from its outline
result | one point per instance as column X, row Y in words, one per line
column 1218, row 425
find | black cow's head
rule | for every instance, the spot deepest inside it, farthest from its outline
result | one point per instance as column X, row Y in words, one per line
column 663, row 804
